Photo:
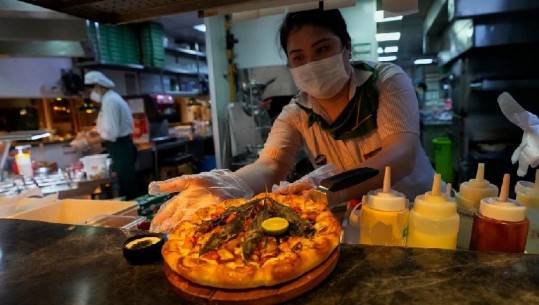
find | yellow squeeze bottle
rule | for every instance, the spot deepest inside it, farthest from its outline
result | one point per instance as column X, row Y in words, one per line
column 384, row 217
column 468, row 198
column 433, row 222
column 527, row 193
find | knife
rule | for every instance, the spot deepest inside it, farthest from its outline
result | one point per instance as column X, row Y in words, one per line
column 341, row 181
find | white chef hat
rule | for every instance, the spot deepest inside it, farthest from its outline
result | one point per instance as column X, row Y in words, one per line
column 96, row 77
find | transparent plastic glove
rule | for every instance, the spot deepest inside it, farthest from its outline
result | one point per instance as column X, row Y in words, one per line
column 195, row 192
column 80, row 144
column 307, row 182
column 527, row 153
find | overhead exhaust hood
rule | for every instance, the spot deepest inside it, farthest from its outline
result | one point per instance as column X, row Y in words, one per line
column 30, row 31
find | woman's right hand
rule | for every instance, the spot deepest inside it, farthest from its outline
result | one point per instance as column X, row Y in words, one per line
column 195, row 192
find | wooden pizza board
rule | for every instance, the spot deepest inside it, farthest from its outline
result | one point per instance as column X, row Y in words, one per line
column 260, row 296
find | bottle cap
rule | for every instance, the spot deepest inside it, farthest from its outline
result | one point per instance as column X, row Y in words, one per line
column 435, row 204
column 503, row 208
column 472, row 191
column 386, row 199
column 527, row 187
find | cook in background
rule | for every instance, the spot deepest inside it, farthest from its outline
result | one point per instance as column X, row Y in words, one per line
column 115, row 126
column 365, row 115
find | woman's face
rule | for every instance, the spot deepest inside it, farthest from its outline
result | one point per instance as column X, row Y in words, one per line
column 312, row 43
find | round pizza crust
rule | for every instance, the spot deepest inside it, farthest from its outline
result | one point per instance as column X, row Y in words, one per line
column 295, row 256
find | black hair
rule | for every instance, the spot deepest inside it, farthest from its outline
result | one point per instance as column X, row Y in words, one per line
column 330, row 19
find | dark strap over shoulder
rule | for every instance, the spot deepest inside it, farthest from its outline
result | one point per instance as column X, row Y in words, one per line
column 358, row 118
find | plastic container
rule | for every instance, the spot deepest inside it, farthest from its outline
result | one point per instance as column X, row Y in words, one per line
column 433, row 221
column 115, row 221
column 144, row 248
column 468, row 198
column 351, row 222
column 384, row 217
column 24, row 162
column 77, row 211
column 527, row 193
column 500, row 225
column 95, row 166
column 442, row 158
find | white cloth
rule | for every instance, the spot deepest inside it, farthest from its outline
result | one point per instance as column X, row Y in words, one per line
column 96, row 77
column 115, row 119
column 527, row 153
column 397, row 113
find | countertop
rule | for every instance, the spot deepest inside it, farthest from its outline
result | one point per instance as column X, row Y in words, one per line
column 43, row 263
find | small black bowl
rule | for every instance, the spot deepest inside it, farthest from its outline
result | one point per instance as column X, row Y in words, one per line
column 144, row 248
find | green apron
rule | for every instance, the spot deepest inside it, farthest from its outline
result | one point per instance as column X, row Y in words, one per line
column 124, row 154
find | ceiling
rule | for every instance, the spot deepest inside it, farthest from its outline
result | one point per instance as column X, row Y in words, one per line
column 411, row 28
column 180, row 27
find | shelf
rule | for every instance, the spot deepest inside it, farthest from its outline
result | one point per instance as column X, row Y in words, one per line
column 185, row 52
column 184, row 93
column 137, row 67
column 505, row 84
column 181, row 71
column 29, row 135
column 110, row 65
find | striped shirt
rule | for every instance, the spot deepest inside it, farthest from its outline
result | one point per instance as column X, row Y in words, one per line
column 397, row 113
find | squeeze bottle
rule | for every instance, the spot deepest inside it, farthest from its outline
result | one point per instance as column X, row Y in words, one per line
column 433, row 221
column 527, row 193
column 24, row 162
column 500, row 224
column 470, row 194
column 384, row 217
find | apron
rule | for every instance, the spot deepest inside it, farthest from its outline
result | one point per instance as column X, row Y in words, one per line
column 124, row 154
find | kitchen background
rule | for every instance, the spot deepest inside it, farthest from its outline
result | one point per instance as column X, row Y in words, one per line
column 478, row 50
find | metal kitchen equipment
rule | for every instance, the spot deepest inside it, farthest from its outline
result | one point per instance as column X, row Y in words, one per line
column 341, row 181
column 485, row 48
column 253, row 105
column 6, row 139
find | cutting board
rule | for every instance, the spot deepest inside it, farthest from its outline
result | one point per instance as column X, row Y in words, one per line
column 260, row 296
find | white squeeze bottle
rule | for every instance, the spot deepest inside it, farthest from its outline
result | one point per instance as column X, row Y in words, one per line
column 24, row 162
column 527, row 193
column 433, row 221
column 468, row 198
column 384, row 216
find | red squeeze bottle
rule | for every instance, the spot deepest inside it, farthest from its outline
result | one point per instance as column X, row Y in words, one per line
column 500, row 225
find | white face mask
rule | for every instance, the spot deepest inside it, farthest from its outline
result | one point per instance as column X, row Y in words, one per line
column 96, row 97
column 323, row 78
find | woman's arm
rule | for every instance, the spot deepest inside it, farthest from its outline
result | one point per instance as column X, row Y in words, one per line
column 398, row 151
column 262, row 174
column 278, row 155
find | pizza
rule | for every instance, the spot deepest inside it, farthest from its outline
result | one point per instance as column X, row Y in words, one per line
column 241, row 243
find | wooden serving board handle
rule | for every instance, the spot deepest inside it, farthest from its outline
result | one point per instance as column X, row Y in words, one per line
column 261, row 296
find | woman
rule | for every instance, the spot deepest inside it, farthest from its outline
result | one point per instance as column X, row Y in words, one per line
column 350, row 117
